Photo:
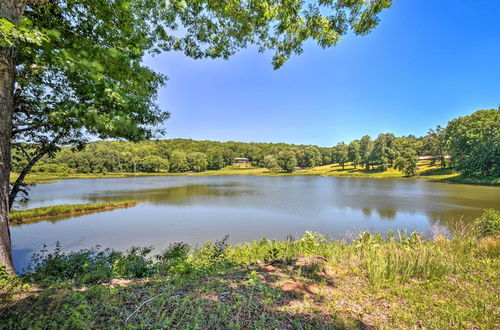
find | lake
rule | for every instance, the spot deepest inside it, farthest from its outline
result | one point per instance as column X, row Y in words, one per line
column 195, row 209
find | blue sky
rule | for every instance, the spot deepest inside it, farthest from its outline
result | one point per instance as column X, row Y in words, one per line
column 427, row 62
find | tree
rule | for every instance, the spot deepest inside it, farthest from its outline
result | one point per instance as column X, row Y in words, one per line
column 70, row 68
column 341, row 154
column 474, row 143
column 390, row 151
column 287, row 161
column 270, row 162
column 178, row 162
column 308, row 157
column 383, row 150
column 366, row 150
column 407, row 163
column 434, row 144
column 353, row 152
column 197, row 161
column 153, row 163
column 326, row 156
column 215, row 159
column 403, row 143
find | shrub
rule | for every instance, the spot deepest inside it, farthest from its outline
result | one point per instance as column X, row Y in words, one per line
column 488, row 224
column 85, row 266
column 212, row 256
column 9, row 285
column 174, row 259
column 134, row 264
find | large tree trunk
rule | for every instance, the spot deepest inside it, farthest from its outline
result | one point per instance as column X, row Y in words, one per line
column 11, row 10
column 6, row 111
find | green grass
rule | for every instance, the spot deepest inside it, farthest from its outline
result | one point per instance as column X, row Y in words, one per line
column 487, row 181
column 391, row 282
column 65, row 209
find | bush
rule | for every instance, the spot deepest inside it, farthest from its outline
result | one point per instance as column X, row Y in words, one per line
column 488, row 224
column 134, row 264
column 85, row 266
column 9, row 285
column 174, row 259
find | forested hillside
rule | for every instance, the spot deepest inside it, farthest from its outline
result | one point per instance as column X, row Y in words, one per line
column 470, row 144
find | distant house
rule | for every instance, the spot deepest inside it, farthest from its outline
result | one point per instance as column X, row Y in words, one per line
column 241, row 160
column 432, row 157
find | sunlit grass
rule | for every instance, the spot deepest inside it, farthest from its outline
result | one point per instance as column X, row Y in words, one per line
column 65, row 209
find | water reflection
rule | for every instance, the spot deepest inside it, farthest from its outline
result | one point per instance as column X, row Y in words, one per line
column 178, row 195
column 306, row 196
column 196, row 209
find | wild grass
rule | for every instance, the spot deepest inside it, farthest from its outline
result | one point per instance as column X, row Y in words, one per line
column 65, row 209
column 373, row 281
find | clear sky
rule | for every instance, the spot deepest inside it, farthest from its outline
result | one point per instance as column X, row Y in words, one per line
column 427, row 62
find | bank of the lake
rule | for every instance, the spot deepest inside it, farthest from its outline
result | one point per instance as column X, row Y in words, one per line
column 48, row 212
column 425, row 171
column 195, row 209
column 371, row 282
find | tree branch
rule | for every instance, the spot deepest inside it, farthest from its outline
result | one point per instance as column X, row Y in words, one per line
column 16, row 131
column 16, row 187
column 36, row 2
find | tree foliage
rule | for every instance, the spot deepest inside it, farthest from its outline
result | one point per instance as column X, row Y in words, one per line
column 407, row 163
column 287, row 160
column 366, row 150
column 153, row 163
column 434, row 144
column 77, row 64
column 178, row 162
column 270, row 162
column 341, row 154
column 379, row 154
column 197, row 161
column 353, row 153
column 79, row 70
column 474, row 143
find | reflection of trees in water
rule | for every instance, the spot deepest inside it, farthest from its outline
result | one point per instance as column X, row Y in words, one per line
column 449, row 218
column 387, row 214
column 442, row 217
column 367, row 212
column 178, row 195
column 440, row 204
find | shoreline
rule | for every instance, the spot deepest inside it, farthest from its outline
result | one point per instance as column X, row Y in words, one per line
column 310, row 282
column 325, row 171
column 49, row 212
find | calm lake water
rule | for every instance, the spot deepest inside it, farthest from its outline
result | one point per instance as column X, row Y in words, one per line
column 195, row 209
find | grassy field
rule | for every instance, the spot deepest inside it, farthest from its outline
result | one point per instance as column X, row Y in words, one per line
column 391, row 282
column 65, row 209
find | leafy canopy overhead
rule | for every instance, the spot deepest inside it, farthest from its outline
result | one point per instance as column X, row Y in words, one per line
column 80, row 65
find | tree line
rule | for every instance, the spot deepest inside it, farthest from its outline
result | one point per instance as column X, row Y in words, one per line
column 470, row 144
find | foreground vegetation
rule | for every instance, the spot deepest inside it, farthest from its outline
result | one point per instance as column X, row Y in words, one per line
column 65, row 209
column 396, row 281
